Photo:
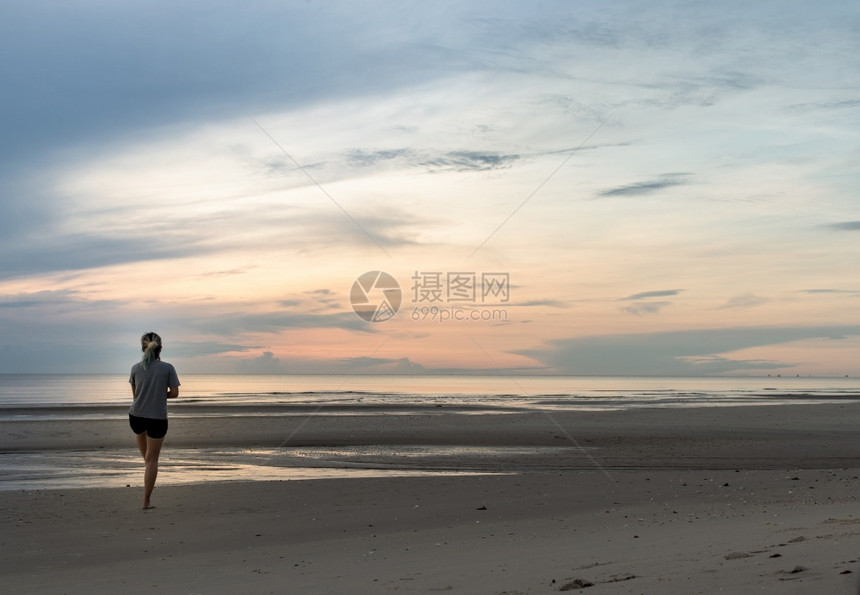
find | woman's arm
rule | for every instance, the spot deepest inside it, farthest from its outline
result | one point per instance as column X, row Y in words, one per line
column 172, row 392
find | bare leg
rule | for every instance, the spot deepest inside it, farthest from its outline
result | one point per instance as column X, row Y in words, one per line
column 153, row 449
column 141, row 444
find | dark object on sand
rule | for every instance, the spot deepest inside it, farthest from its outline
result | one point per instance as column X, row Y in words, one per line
column 579, row 583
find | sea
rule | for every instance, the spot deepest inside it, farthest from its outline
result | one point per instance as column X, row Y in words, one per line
column 570, row 392
column 28, row 397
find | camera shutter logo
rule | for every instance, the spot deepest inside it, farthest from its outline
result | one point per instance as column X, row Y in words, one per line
column 375, row 296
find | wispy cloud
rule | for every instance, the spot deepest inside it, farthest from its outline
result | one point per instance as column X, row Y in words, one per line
column 326, row 297
column 548, row 303
column 238, row 324
column 390, row 229
column 645, row 308
column 73, row 251
column 471, row 161
column 642, row 304
column 814, row 106
column 845, row 226
column 370, row 158
column 66, row 300
column 412, row 158
column 849, row 292
column 114, row 240
column 746, row 300
column 648, row 187
column 226, row 273
column 652, row 294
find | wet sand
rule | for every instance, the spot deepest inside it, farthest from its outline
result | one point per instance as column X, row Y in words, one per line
column 705, row 500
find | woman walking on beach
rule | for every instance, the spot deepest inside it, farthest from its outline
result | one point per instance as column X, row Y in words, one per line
column 152, row 383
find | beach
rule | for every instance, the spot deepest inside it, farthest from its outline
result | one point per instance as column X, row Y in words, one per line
column 759, row 499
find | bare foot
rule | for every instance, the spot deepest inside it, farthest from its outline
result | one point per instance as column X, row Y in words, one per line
column 147, row 506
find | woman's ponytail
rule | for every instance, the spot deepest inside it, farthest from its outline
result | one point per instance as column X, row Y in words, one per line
column 150, row 344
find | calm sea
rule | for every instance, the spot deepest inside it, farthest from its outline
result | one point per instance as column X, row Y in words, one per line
column 26, row 390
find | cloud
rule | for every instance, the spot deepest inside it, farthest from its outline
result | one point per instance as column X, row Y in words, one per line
column 168, row 63
column 845, row 226
column 71, row 252
column 734, row 80
column 688, row 88
column 387, row 230
column 370, row 158
column 569, row 150
column 408, row 158
column 376, row 365
column 327, row 227
column 470, row 161
column 549, row 303
column 815, row 106
column 227, row 273
column 62, row 332
column 204, row 348
column 326, row 297
column 645, row 308
column 314, row 300
column 110, row 73
column 67, row 299
column 115, row 236
column 642, row 188
column 236, row 324
column 746, row 300
column 650, row 294
column 277, row 321
column 836, row 291
column 266, row 363
column 491, row 371
column 676, row 353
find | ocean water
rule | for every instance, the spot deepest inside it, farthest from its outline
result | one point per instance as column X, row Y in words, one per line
column 544, row 392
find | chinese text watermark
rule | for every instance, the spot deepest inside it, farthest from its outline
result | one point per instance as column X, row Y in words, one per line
column 437, row 296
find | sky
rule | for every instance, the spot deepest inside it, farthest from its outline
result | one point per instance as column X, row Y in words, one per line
column 582, row 188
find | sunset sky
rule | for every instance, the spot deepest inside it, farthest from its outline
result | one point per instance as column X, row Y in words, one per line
column 669, row 188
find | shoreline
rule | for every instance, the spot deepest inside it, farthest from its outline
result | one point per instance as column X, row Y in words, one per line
column 37, row 453
column 671, row 501
column 814, row 435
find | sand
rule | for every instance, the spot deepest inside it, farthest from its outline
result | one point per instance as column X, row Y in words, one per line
column 705, row 500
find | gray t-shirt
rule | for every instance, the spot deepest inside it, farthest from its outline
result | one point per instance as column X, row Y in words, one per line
column 150, row 388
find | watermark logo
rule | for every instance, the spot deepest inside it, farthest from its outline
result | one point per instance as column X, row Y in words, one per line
column 462, row 287
column 375, row 296
column 455, row 296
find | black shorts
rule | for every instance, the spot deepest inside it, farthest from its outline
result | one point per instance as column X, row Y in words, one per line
column 154, row 428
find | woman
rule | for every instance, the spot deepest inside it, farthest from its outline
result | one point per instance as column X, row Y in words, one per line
column 152, row 383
